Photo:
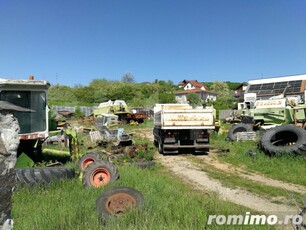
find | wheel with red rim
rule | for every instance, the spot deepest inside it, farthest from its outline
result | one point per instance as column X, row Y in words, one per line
column 89, row 158
column 99, row 177
column 100, row 174
column 117, row 201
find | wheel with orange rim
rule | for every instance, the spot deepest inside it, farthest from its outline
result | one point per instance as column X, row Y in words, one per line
column 100, row 177
column 117, row 201
column 100, row 174
column 89, row 158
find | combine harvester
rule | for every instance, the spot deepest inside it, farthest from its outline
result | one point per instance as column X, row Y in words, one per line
column 283, row 118
column 30, row 94
column 33, row 96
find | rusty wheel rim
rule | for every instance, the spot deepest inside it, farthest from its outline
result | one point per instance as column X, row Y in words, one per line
column 100, row 177
column 87, row 162
column 120, row 203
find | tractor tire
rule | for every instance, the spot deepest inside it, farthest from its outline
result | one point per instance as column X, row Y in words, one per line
column 232, row 133
column 89, row 158
column 100, row 174
column 284, row 139
column 118, row 200
column 35, row 176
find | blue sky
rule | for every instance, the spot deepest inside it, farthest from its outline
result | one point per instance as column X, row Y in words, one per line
column 72, row 42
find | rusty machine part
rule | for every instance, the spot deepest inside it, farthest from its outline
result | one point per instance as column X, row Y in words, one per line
column 118, row 200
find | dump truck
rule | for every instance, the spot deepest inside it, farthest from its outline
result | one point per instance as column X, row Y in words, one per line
column 180, row 126
column 30, row 94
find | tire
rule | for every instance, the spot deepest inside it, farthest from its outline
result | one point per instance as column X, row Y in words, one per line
column 89, row 158
column 232, row 133
column 160, row 148
column 116, row 201
column 284, row 139
column 100, row 174
column 35, row 176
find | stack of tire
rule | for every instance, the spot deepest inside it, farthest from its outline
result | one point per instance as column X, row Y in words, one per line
column 114, row 201
column 97, row 172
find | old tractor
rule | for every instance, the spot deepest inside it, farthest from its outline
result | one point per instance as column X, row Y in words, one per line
column 30, row 94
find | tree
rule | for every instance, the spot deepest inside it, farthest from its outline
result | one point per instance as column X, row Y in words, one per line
column 84, row 94
column 220, row 87
column 166, row 98
column 225, row 99
column 128, row 78
column 194, row 99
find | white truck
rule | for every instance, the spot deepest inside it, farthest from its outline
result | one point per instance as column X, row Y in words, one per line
column 30, row 94
column 179, row 126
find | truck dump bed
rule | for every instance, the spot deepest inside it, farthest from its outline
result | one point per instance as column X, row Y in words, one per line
column 182, row 116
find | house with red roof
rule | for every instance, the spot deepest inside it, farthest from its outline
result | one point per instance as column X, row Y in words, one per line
column 193, row 86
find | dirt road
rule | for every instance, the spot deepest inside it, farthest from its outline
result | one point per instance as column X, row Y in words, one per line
column 191, row 173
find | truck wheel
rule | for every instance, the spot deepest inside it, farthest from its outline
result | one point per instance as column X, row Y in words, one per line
column 89, row 158
column 232, row 133
column 100, row 174
column 284, row 139
column 34, row 176
column 160, row 148
column 117, row 201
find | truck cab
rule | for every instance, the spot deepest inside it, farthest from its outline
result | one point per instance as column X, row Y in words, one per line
column 30, row 94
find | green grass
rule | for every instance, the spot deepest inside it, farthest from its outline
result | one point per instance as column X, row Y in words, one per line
column 285, row 168
column 169, row 204
column 233, row 180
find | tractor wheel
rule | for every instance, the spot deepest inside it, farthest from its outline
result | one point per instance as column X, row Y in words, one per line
column 34, row 176
column 117, row 201
column 89, row 158
column 232, row 133
column 100, row 174
column 284, row 139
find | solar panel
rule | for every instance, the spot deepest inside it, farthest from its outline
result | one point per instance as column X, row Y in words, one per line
column 276, row 88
